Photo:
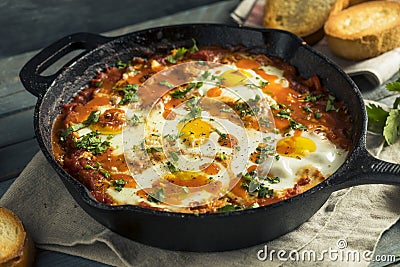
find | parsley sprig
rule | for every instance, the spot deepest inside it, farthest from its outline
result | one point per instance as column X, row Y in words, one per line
column 256, row 185
column 180, row 52
column 93, row 118
column 180, row 93
column 385, row 122
column 129, row 92
column 92, row 142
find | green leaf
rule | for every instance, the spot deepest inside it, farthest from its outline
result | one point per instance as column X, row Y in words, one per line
column 376, row 118
column 329, row 104
column 180, row 93
column 93, row 118
column 394, row 86
column 174, row 155
column 166, row 83
column 194, row 48
column 122, row 65
column 118, row 184
column 180, row 52
column 391, row 131
column 158, row 196
column 229, row 208
column 92, row 142
column 129, row 92
column 265, row 191
column 172, row 167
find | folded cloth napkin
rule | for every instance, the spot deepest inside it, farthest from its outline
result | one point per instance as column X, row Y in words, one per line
column 377, row 70
column 351, row 221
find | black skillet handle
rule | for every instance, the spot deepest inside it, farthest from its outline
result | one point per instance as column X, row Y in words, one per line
column 30, row 74
column 366, row 169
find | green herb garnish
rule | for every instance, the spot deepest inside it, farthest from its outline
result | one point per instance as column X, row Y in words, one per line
column 172, row 167
column 129, row 93
column 92, row 142
column 180, row 93
column 167, row 84
column 92, row 118
column 229, row 208
column 158, row 196
column 329, row 104
column 384, row 122
column 118, row 184
column 122, row 65
column 194, row 109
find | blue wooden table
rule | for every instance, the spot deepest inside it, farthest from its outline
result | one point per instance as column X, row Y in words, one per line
column 29, row 25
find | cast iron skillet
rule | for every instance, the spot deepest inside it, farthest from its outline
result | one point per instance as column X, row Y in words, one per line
column 208, row 232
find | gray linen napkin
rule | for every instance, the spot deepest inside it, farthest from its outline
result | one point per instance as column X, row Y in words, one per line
column 352, row 220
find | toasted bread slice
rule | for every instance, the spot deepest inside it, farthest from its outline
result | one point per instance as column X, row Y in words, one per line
column 365, row 30
column 15, row 247
column 301, row 17
column 356, row 2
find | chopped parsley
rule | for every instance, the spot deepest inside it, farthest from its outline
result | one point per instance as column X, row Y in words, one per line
column 180, row 93
column 129, row 92
column 194, row 109
column 264, row 191
column 166, row 83
column 308, row 109
column 329, row 104
column 255, row 86
column 92, row 142
column 223, row 136
column 122, row 65
column 99, row 168
column 218, row 79
column 135, row 120
column 229, row 208
column 317, row 115
column 98, row 83
column 273, row 180
column 205, row 75
column 172, row 167
column 284, row 113
column 181, row 51
column 105, row 173
column 254, row 185
column 93, row 118
column 154, row 149
column 157, row 197
column 296, row 125
column 173, row 137
column 264, row 152
column 174, row 155
column 118, row 184
column 312, row 97
column 243, row 109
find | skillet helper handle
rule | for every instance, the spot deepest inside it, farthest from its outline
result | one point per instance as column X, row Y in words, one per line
column 30, row 74
column 366, row 169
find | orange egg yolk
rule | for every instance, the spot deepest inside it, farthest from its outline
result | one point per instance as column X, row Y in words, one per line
column 295, row 146
column 188, row 178
column 195, row 132
column 232, row 78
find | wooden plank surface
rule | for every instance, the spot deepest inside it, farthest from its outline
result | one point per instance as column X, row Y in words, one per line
column 32, row 24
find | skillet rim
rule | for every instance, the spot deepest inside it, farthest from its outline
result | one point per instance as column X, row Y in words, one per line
column 84, row 193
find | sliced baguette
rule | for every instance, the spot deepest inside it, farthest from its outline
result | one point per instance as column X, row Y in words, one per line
column 16, row 249
column 301, row 17
column 365, row 30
